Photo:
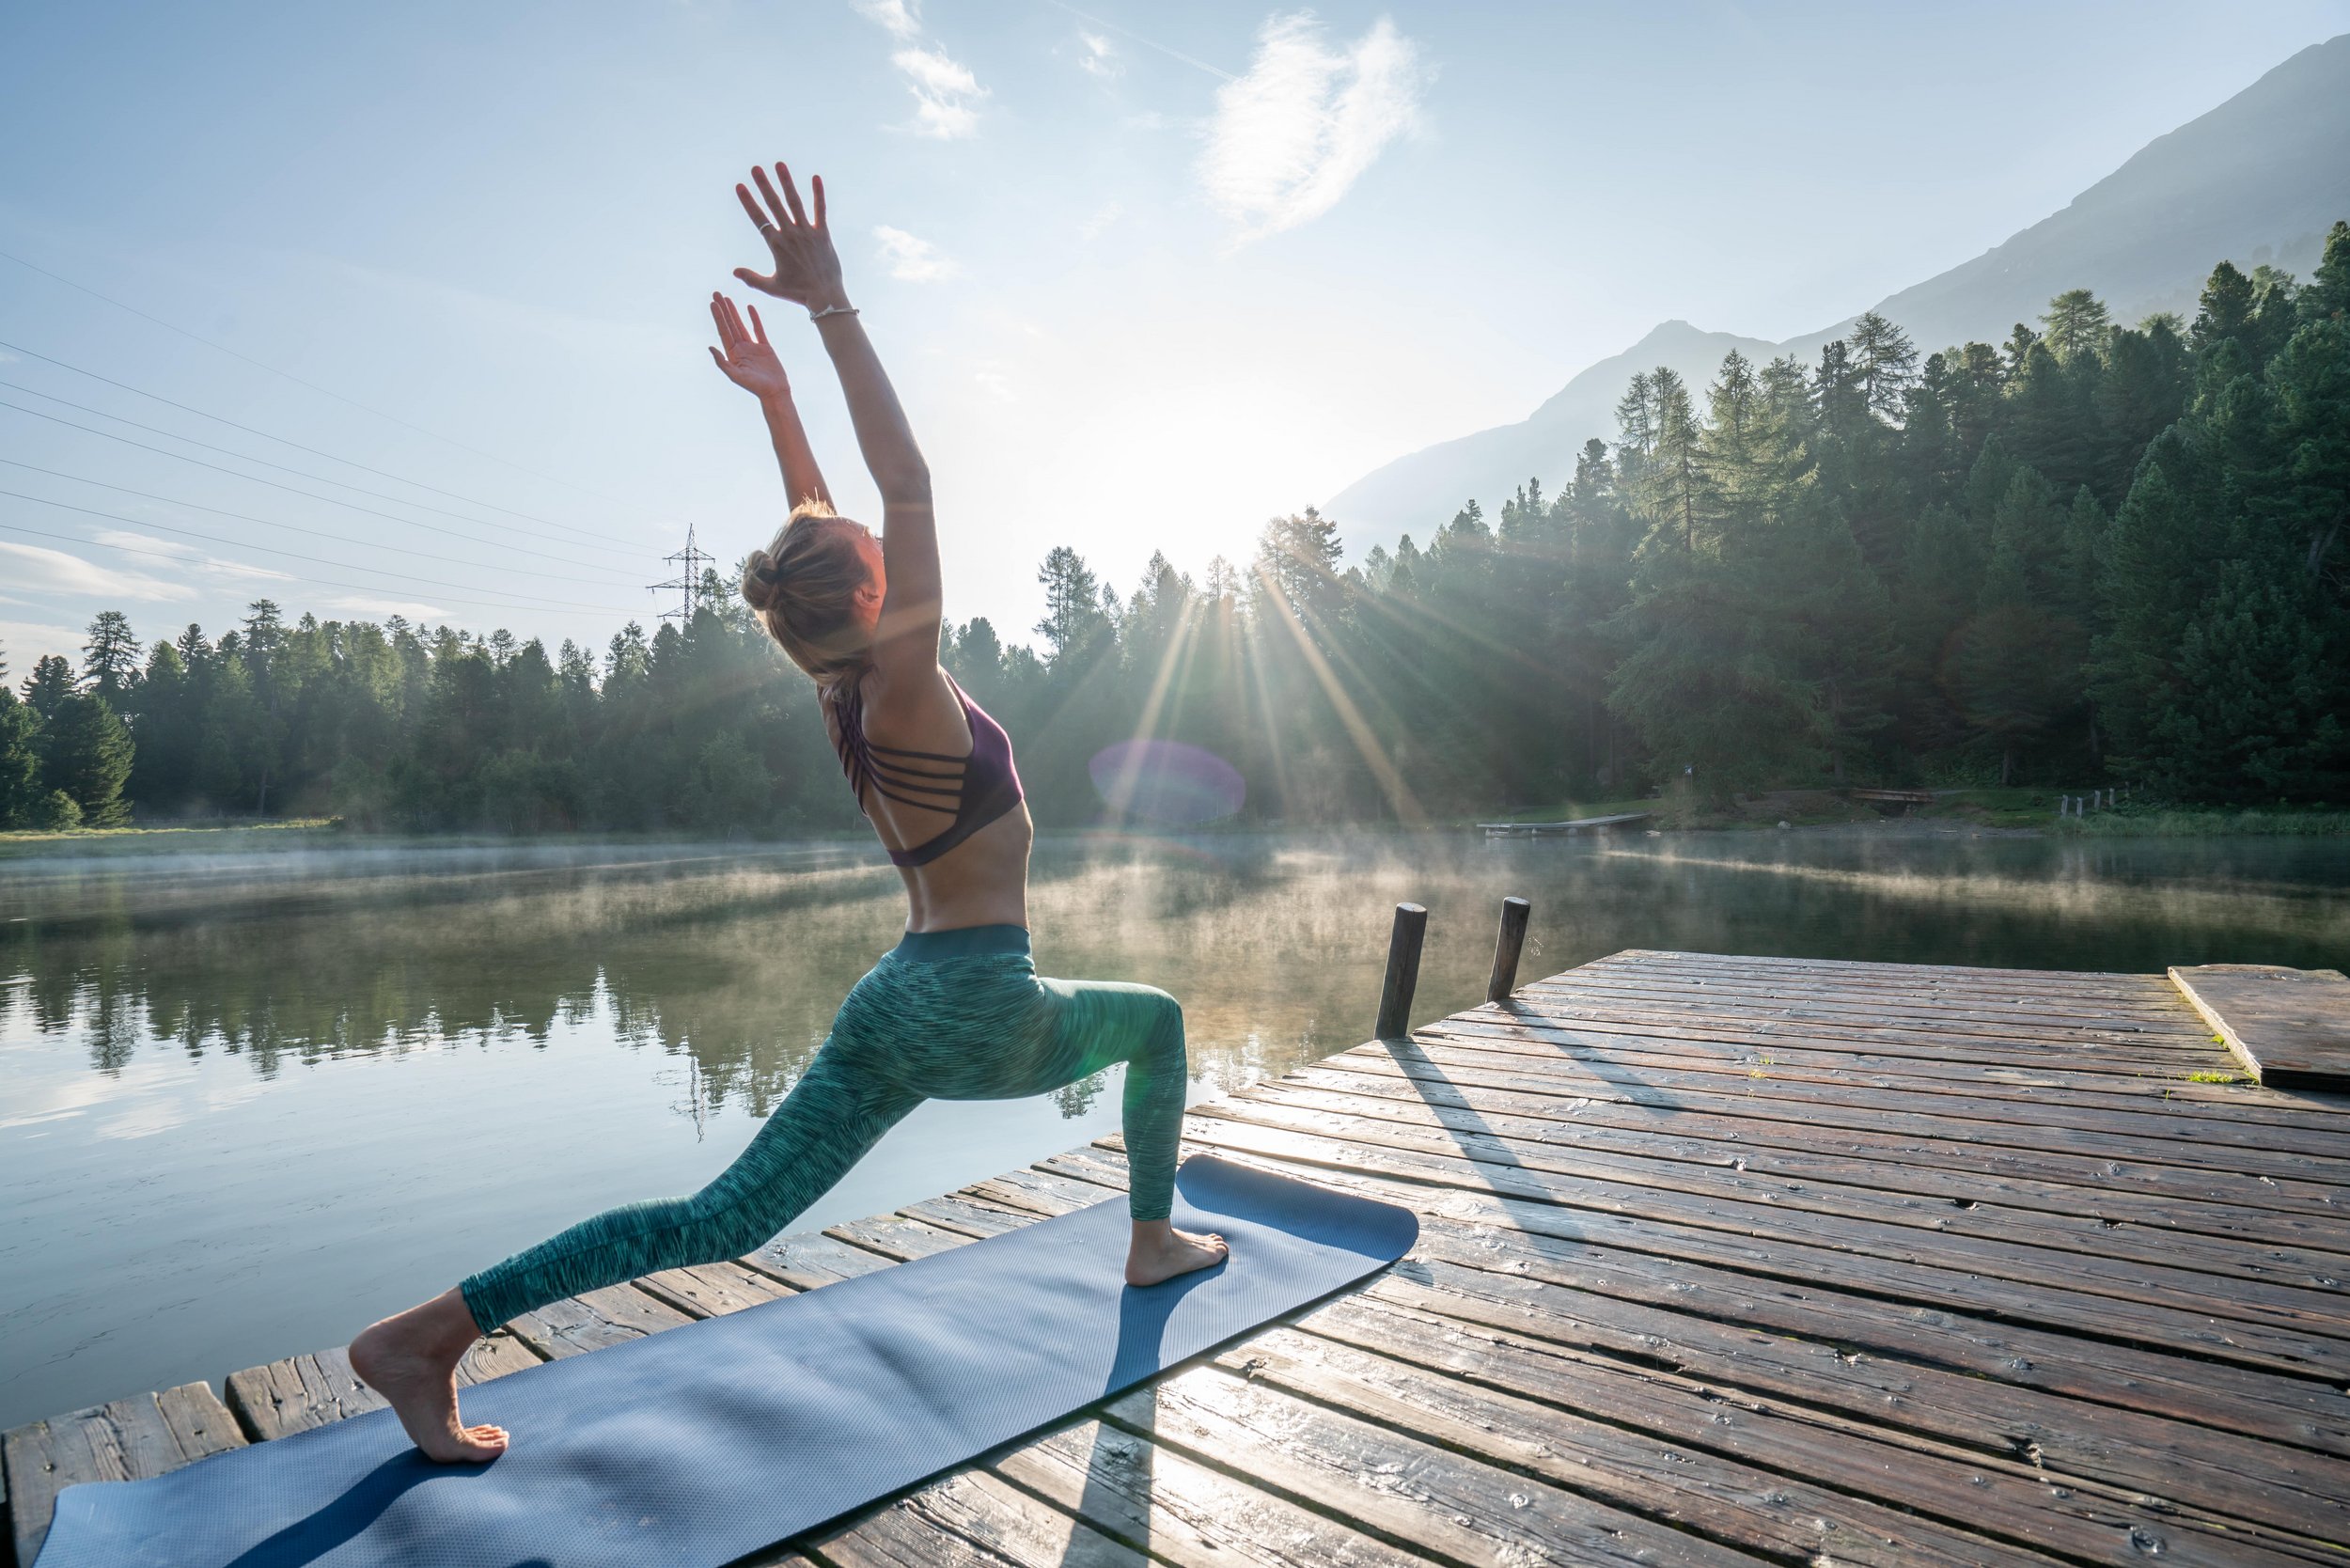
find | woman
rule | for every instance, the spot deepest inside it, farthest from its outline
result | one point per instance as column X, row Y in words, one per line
column 956, row 1011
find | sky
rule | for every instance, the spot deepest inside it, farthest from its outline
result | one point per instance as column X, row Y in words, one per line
column 1145, row 275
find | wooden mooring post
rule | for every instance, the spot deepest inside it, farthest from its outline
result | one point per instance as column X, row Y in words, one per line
column 1395, row 992
column 1508, row 944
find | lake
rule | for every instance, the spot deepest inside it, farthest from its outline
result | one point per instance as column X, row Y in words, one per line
column 251, row 1101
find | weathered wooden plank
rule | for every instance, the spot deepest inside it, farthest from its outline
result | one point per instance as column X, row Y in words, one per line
column 1874, row 1111
column 2131, row 997
column 2306, row 1325
column 1039, row 1190
column 1766, row 1478
column 2290, row 1028
column 613, row 1315
column 2119, row 1084
column 1902, row 975
column 2027, row 1019
column 1742, row 1024
column 1181, row 1512
column 2177, row 1133
column 1857, row 1189
column 968, row 1215
column 304, row 1391
column 804, row 1263
column 1791, row 977
column 1417, row 1493
column 897, row 1238
column 1770, row 1123
column 2070, row 1187
column 713, row 1290
column 126, row 1440
column 969, row 1518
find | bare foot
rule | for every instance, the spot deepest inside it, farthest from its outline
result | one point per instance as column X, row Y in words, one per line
column 411, row 1359
column 1160, row 1251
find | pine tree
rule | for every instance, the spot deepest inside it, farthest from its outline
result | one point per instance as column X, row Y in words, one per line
column 50, row 685
column 1885, row 361
column 2077, row 325
column 110, row 660
column 20, row 791
column 85, row 754
column 1072, row 606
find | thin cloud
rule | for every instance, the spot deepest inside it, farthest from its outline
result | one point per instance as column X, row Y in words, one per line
column 211, row 566
column 947, row 96
column 897, row 18
column 912, row 259
column 25, row 643
column 1291, row 137
column 381, row 609
column 1098, row 57
column 35, row 569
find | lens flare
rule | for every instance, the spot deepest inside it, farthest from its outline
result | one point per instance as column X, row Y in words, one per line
column 1167, row 781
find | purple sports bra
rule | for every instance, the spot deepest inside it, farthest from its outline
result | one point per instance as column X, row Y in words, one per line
column 977, row 789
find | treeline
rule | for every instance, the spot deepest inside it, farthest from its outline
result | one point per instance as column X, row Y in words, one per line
column 2091, row 553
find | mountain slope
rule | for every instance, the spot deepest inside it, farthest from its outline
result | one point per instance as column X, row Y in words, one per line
column 2259, row 178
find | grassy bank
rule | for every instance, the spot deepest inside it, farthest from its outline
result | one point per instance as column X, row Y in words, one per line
column 292, row 832
column 2192, row 822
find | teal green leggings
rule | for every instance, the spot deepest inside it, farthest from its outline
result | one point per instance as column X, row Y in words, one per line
column 946, row 1015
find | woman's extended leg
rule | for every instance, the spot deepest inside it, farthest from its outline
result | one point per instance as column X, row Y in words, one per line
column 837, row 1111
column 1002, row 1033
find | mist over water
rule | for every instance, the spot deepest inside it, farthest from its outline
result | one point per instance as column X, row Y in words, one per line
column 250, row 1101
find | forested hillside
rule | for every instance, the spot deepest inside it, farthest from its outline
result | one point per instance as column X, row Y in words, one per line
column 2088, row 553
column 2258, row 179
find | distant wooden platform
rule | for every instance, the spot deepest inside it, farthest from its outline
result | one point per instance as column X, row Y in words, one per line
column 1579, row 824
column 1723, row 1260
column 1903, row 798
column 2290, row 1026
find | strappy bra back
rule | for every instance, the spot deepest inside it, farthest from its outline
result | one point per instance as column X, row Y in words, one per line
column 976, row 790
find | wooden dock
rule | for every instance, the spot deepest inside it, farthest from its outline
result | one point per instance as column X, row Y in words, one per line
column 1723, row 1260
column 1578, row 824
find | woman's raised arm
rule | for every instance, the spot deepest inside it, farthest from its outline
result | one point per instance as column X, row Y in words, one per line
column 747, row 359
column 807, row 273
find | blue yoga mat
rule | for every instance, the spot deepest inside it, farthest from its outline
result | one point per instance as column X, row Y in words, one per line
column 694, row 1447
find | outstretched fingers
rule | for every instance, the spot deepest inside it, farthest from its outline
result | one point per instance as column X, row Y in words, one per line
column 781, row 209
column 759, row 328
column 816, row 184
column 790, row 194
column 759, row 217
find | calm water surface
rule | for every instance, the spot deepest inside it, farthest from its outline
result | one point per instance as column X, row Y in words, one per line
column 249, row 1102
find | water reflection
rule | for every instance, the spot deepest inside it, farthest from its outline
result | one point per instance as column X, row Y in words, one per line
column 246, row 1101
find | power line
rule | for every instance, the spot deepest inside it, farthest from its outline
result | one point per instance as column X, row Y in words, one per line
column 689, row 578
column 283, row 468
column 286, row 577
column 274, row 484
column 291, row 554
column 314, row 452
column 313, row 387
column 272, row 523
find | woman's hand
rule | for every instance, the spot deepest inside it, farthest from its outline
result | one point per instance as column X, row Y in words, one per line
column 745, row 357
column 807, row 271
